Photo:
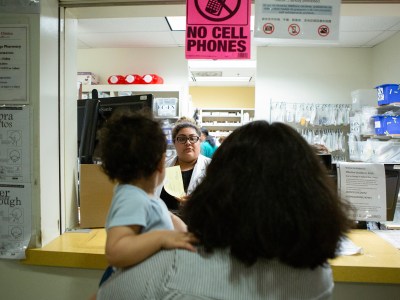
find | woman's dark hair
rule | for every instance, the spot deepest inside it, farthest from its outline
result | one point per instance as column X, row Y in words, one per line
column 131, row 146
column 209, row 139
column 267, row 195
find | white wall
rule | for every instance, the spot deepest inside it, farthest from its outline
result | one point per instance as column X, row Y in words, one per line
column 386, row 62
column 322, row 75
column 310, row 75
column 43, row 105
column 43, row 95
column 47, row 118
column 46, row 283
column 68, row 122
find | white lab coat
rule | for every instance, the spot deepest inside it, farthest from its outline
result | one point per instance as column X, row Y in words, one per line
column 199, row 172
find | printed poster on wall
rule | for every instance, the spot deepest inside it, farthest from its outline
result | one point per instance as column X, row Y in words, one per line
column 218, row 29
column 364, row 186
column 13, row 64
column 15, row 162
column 15, row 220
column 297, row 19
column 15, row 181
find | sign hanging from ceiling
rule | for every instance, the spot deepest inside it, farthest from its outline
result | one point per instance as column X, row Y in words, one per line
column 297, row 19
column 218, row 29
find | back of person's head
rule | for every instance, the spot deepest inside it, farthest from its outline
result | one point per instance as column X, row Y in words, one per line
column 266, row 195
column 185, row 122
column 131, row 146
column 204, row 131
column 208, row 138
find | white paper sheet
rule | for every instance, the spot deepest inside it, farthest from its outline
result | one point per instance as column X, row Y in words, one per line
column 173, row 182
column 347, row 247
column 364, row 186
column 391, row 236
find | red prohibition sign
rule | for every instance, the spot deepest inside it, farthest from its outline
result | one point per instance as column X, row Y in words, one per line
column 294, row 29
column 323, row 30
column 268, row 28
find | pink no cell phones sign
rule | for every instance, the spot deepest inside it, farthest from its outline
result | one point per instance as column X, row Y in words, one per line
column 218, row 29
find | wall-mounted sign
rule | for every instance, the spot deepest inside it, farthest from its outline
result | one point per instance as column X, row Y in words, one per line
column 297, row 19
column 15, row 181
column 15, row 219
column 364, row 186
column 15, row 146
column 218, row 29
column 13, row 64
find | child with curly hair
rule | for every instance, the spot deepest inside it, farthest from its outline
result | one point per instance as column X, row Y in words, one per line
column 132, row 152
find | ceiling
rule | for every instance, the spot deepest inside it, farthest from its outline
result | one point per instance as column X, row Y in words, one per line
column 133, row 32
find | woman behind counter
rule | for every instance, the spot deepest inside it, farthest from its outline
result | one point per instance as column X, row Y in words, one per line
column 186, row 138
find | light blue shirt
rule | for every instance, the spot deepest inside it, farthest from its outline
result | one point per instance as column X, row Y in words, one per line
column 133, row 206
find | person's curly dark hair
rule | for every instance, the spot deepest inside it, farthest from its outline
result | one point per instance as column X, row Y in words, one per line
column 131, row 146
column 267, row 196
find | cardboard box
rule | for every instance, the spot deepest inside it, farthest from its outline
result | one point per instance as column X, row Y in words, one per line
column 96, row 192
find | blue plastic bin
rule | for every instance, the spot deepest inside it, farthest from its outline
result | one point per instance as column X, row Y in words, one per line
column 387, row 125
column 388, row 93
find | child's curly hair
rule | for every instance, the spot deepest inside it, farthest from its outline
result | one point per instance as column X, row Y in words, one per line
column 131, row 146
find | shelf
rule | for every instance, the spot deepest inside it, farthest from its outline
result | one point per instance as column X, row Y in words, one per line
column 131, row 88
column 382, row 137
column 116, row 90
column 220, row 117
column 157, row 90
column 396, row 104
column 222, row 127
column 222, row 121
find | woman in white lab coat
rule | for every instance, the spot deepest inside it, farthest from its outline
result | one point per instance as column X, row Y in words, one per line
column 186, row 139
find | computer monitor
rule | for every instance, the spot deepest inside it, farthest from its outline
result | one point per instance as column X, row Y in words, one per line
column 326, row 159
column 93, row 113
column 392, row 177
column 392, row 190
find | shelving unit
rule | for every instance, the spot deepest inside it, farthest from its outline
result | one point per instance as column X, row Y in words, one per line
column 325, row 123
column 222, row 121
column 120, row 89
column 158, row 90
column 161, row 92
column 382, row 109
column 382, row 148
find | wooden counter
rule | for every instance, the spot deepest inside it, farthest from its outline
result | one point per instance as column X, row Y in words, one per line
column 72, row 249
column 379, row 263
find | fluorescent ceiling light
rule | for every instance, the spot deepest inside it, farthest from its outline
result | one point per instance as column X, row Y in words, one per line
column 178, row 23
column 222, row 79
